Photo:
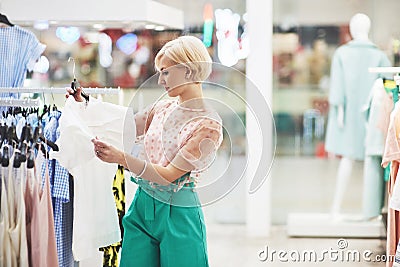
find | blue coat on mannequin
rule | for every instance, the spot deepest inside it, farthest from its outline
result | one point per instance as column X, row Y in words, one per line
column 350, row 87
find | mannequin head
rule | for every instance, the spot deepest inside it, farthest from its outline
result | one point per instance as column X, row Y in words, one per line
column 359, row 27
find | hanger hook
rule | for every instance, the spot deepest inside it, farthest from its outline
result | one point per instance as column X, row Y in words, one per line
column 73, row 68
column 44, row 98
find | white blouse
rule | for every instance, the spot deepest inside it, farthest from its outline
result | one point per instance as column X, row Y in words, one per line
column 96, row 221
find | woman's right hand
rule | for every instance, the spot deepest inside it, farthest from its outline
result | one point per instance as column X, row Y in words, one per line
column 76, row 94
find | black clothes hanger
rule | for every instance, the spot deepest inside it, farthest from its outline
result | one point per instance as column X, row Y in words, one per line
column 37, row 144
column 26, row 137
column 30, row 159
column 17, row 159
column 46, row 109
column 12, row 137
column 5, row 159
column 38, row 140
column 52, row 145
column 3, row 133
column 4, row 19
column 75, row 84
column 11, row 140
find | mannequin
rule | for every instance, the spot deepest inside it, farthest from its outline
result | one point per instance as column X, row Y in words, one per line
column 349, row 90
column 359, row 29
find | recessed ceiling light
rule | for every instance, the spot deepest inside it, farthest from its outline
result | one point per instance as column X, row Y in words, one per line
column 41, row 25
column 159, row 28
column 98, row 26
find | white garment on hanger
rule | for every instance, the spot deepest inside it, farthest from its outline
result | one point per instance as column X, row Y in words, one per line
column 5, row 242
column 17, row 230
column 96, row 222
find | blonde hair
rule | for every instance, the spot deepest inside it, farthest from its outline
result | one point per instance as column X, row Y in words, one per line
column 190, row 52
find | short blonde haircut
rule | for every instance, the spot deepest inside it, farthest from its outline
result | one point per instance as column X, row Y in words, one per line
column 191, row 53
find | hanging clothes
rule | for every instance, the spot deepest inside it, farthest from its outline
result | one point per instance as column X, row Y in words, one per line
column 60, row 192
column 377, row 116
column 93, row 227
column 44, row 249
column 350, row 86
column 392, row 155
column 19, row 50
column 27, row 227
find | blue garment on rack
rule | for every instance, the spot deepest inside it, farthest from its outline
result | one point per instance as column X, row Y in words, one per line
column 19, row 50
column 60, row 192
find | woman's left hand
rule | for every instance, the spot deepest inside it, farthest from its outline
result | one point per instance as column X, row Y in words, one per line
column 107, row 152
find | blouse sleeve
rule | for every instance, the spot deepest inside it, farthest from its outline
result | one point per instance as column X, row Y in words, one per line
column 34, row 50
column 199, row 149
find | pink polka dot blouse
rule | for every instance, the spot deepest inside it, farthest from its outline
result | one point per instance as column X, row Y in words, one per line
column 172, row 133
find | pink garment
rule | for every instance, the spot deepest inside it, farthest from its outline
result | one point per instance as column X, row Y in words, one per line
column 177, row 132
column 30, row 206
column 392, row 155
column 393, row 221
column 43, row 239
column 386, row 108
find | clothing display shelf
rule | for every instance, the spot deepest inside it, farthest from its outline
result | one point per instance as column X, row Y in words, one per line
column 384, row 70
column 395, row 70
column 54, row 90
column 396, row 78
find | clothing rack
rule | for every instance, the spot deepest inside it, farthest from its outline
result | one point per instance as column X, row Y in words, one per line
column 384, row 70
column 19, row 102
column 55, row 90
column 396, row 70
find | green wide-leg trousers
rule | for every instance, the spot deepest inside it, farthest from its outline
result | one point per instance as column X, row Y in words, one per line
column 164, row 234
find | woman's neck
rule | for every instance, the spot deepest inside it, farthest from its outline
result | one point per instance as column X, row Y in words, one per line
column 193, row 91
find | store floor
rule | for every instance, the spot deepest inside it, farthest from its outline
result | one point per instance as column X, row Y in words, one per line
column 299, row 184
column 229, row 246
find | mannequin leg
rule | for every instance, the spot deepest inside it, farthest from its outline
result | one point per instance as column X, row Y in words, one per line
column 344, row 172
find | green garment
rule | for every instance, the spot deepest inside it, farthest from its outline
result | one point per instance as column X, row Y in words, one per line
column 158, row 233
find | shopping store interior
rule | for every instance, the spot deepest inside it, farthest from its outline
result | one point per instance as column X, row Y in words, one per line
column 115, row 52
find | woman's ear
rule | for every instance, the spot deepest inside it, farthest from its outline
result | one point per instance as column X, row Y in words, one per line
column 188, row 73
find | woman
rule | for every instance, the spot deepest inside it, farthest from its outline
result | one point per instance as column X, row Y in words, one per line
column 164, row 225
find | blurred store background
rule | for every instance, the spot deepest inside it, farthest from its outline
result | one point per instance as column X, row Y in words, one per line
column 120, row 53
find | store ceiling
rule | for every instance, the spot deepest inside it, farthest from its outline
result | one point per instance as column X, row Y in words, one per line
column 175, row 14
column 116, row 13
column 193, row 10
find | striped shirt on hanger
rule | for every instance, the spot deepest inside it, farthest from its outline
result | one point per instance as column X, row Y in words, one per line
column 19, row 50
